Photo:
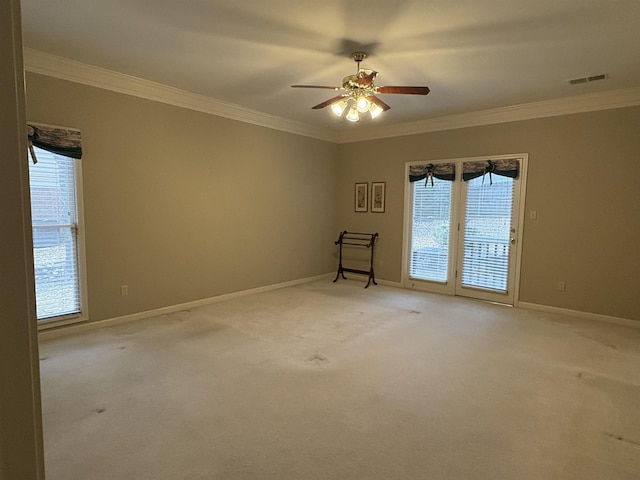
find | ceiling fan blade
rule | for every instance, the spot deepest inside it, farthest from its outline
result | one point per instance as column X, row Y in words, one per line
column 315, row 86
column 404, row 90
column 378, row 102
column 328, row 102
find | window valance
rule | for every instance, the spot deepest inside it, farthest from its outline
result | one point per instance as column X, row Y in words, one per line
column 441, row 171
column 63, row 141
column 509, row 167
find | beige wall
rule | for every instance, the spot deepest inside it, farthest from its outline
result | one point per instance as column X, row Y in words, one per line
column 181, row 205
column 583, row 182
column 21, row 455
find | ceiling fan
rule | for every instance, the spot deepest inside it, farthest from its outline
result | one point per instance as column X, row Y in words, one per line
column 358, row 93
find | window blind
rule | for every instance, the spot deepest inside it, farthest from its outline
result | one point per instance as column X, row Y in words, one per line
column 487, row 233
column 55, row 234
column 430, row 231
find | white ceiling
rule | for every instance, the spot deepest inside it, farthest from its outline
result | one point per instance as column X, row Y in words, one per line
column 473, row 54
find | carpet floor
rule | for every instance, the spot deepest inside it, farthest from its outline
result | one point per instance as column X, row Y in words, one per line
column 333, row 382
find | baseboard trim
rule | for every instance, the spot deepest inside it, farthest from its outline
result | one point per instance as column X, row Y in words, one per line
column 389, row 283
column 576, row 313
column 86, row 326
column 70, row 329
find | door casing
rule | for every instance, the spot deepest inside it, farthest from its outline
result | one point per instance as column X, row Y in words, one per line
column 449, row 288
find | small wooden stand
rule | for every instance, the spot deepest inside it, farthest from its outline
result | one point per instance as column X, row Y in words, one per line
column 355, row 239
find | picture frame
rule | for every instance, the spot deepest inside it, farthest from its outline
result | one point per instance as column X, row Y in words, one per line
column 378, row 193
column 361, row 197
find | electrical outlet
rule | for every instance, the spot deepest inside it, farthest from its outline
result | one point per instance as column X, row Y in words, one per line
column 533, row 214
column 562, row 286
column 124, row 290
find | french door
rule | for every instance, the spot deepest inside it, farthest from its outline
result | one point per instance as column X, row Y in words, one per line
column 463, row 227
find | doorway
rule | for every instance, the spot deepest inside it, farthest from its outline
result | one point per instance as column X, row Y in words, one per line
column 462, row 226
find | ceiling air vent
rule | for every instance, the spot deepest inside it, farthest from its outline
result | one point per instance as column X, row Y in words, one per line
column 592, row 78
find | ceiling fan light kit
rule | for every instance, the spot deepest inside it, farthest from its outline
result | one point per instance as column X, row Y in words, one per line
column 353, row 116
column 339, row 107
column 358, row 93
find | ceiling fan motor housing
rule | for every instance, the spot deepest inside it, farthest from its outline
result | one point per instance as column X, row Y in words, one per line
column 363, row 80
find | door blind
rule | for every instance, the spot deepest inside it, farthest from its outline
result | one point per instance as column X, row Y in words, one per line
column 487, row 233
column 430, row 231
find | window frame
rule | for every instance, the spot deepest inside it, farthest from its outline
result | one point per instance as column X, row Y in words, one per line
column 83, row 315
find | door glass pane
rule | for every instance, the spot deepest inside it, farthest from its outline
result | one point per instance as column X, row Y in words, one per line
column 429, row 258
column 487, row 233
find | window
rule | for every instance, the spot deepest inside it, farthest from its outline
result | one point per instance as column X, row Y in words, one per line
column 55, row 186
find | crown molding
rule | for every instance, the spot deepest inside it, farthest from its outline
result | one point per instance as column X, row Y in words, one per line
column 548, row 108
column 73, row 71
